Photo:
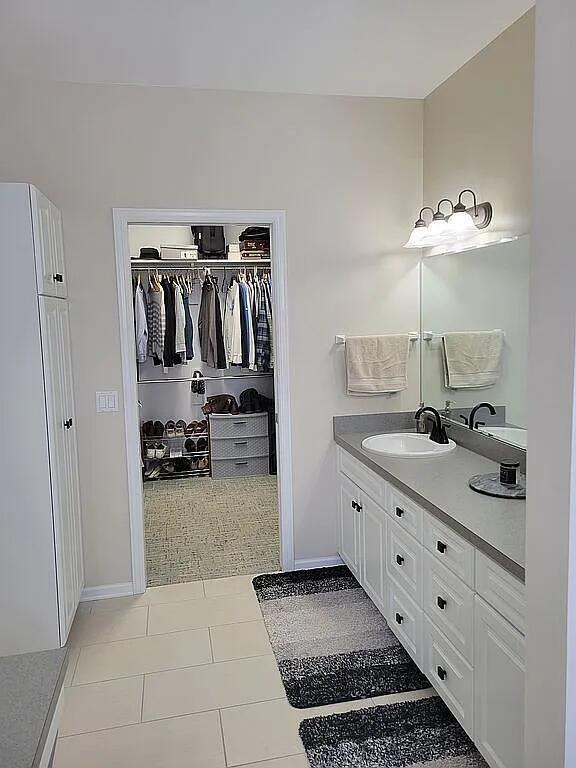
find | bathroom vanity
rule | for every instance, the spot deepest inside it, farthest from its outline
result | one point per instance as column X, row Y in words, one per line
column 445, row 567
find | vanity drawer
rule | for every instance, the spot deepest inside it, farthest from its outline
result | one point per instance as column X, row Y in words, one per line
column 449, row 548
column 405, row 620
column 450, row 675
column 449, row 604
column 501, row 590
column 406, row 513
column 241, row 425
column 363, row 477
column 404, row 560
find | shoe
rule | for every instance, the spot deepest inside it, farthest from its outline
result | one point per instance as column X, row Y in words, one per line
column 182, row 465
column 151, row 451
column 169, row 468
column 202, row 444
column 147, row 429
column 191, row 428
column 160, row 450
column 203, row 463
column 170, row 429
column 190, row 446
column 180, row 428
column 158, row 429
column 201, row 427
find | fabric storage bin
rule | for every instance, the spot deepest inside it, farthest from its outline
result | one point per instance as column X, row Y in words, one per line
column 253, row 465
column 239, row 447
column 241, row 425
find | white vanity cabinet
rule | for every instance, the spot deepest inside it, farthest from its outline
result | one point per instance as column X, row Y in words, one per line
column 457, row 612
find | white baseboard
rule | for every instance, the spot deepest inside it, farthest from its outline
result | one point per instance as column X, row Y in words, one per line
column 105, row 591
column 317, row 562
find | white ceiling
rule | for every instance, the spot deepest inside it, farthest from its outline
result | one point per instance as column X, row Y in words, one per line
column 400, row 48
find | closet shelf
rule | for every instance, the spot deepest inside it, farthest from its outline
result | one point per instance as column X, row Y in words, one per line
column 194, row 263
column 178, row 475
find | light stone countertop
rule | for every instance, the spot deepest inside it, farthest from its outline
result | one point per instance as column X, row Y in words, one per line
column 30, row 685
column 440, row 485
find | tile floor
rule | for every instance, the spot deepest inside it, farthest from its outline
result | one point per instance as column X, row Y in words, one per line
column 180, row 677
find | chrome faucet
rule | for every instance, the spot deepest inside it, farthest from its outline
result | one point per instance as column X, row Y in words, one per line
column 438, row 433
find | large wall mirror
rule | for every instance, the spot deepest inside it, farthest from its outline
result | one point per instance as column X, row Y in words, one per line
column 475, row 336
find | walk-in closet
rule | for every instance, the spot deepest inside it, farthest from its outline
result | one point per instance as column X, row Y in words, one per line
column 204, row 345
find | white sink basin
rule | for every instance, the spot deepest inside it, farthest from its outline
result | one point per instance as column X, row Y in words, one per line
column 406, row 445
column 513, row 435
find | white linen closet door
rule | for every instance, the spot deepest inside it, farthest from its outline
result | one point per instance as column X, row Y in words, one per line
column 63, row 462
column 48, row 246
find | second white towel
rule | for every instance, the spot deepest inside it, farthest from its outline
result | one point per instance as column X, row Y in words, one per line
column 472, row 359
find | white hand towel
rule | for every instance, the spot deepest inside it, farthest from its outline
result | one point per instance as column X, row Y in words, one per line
column 472, row 359
column 377, row 365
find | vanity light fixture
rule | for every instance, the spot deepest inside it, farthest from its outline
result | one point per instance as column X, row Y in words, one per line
column 420, row 230
column 460, row 226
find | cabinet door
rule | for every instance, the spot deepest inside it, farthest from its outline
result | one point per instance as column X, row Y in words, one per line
column 374, row 551
column 349, row 519
column 48, row 246
column 499, row 688
column 63, row 460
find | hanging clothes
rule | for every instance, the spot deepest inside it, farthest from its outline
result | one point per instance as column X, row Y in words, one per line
column 189, row 326
column 140, row 322
column 156, row 322
column 169, row 358
column 264, row 329
column 212, row 350
column 180, row 316
column 221, row 362
column 232, row 329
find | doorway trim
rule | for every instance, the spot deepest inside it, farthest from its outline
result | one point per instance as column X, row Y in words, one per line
column 276, row 220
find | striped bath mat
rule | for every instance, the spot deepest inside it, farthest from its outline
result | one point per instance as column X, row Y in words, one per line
column 414, row 734
column 330, row 642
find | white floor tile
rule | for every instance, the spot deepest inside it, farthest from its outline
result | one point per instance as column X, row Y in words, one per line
column 194, row 741
column 102, row 705
column 170, row 593
column 91, row 628
column 237, row 641
column 261, row 731
column 396, row 698
column 229, row 585
column 294, row 761
column 142, row 655
column 214, row 686
column 207, row 612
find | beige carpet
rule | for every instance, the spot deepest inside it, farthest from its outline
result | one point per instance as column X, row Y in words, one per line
column 202, row 528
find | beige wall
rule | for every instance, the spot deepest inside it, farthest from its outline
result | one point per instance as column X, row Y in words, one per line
column 348, row 173
column 478, row 129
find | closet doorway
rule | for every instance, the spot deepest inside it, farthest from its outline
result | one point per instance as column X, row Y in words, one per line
column 204, row 350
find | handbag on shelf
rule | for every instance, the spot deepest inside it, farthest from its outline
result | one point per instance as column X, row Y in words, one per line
column 210, row 241
column 221, row 404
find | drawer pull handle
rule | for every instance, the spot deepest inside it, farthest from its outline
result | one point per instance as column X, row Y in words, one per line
column 399, row 618
column 441, row 603
column 241, row 463
column 399, row 559
column 399, row 511
column 58, row 278
column 242, row 442
column 239, row 423
column 441, row 547
column 354, row 504
column 442, row 674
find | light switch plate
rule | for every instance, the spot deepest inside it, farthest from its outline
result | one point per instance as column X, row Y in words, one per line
column 107, row 402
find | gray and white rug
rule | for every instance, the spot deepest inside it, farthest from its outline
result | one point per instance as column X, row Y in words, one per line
column 414, row 734
column 331, row 643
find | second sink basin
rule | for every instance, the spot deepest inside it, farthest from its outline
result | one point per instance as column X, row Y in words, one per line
column 406, row 445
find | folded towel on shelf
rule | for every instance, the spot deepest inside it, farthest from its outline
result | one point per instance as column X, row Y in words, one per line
column 377, row 365
column 472, row 359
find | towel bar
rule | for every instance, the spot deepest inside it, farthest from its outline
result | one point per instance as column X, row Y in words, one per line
column 341, row 339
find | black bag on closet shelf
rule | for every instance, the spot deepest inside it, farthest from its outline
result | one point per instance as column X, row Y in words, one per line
column 149, row 253
column 198, row 387
column 210, row 241
column 255, row 239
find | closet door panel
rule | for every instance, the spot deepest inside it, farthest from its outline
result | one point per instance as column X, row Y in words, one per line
column 48, row 245
column 58, row 250
column 55, row 336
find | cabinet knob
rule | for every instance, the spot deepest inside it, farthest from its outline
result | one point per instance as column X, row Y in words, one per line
column 353, row 504
column 441, row 602
column 58, row 278
column 68, row 423
column 441, row 672
column 399, row 618
column 399, row 511
column 441, row 547
column 399, row 559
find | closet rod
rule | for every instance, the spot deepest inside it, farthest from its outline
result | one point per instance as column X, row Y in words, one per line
column 207, row 378
column 145, row 264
